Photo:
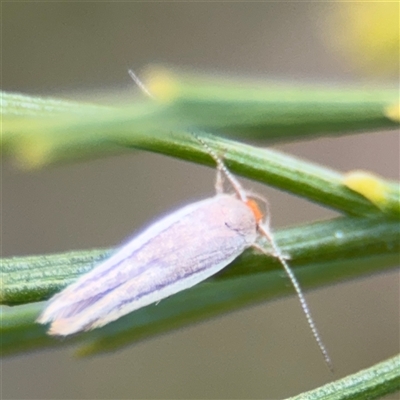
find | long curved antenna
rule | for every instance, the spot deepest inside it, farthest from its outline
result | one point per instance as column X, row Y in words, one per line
column 140, row 84
column 278, row 254
column 221, row 167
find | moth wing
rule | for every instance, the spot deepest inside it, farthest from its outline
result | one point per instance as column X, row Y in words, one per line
column 172, row 255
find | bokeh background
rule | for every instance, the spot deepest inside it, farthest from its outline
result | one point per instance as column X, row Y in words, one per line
column 72, row 49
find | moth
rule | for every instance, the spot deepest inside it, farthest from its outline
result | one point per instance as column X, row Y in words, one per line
column 174, row 254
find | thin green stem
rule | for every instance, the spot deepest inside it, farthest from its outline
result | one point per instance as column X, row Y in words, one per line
column 36, row 278
column 372, row 383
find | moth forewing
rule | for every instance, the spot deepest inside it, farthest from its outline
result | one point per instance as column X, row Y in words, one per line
column 173, row 254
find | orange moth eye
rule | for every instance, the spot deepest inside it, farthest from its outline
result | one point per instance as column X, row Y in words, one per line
column 255, row 209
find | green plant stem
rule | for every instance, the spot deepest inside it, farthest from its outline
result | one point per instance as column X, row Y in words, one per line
column 240, row 285
column 18, row 106
column 36, row 278
column 271, row 109
column 372, row 383
column 274, row 168
column 20, row 333
column 39, row 131
column 65, row 139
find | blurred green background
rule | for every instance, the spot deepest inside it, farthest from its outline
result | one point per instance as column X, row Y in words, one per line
column 75, row 50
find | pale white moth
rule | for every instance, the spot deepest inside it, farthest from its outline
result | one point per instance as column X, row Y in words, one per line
column 174, row 254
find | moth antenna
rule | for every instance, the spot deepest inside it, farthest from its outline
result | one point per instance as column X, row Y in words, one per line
column 278, row 254
column 140, row 84
column 222, row 167
column 219, row 181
